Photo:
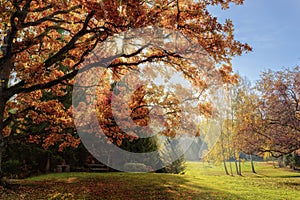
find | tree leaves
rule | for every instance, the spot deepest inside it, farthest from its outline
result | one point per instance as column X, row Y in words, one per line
column 272, row 125
column 44, row 43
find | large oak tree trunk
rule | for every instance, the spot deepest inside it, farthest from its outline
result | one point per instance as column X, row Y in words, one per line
column 2, row 107
column 2, row 139
column 6, row 65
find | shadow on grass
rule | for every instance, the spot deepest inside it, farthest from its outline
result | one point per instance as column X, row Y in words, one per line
column 122, row 186
column 287, row 176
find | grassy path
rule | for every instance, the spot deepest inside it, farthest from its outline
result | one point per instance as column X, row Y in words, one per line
column 199, row 182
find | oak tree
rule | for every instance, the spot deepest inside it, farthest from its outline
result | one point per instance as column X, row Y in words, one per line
column 44, row 43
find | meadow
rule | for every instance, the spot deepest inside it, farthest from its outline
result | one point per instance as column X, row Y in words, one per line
column 200, row 181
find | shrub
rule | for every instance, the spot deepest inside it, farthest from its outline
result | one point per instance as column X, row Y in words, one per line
column 176, row 167
column 169, row 151
column 135, row 167
column 11, row 168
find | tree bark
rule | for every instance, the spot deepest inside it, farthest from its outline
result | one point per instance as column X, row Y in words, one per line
column 230, row 166
column 236, row 167
column 4, row 77
column 252, row 164
column 225, row 167
column 240, row 168
column 280, row 162
column 48, row 164
column 6, row 65
column 224, row 161
column 273, row 163
column 2, row 143
column 2, row 139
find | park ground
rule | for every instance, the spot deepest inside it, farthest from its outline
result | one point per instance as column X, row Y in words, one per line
column 201, row 181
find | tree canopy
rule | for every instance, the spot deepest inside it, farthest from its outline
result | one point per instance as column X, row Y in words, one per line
column 44, row 43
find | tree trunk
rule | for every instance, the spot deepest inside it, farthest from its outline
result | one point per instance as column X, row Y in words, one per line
column 230, row 166
column 273, row 163
column 2, row 139
column 225, row 167
column 6, row 65
column 3, row 182
column 280, row 162
column 223, row 154
column 1, row 155
column 48, row 164
column 240, row 168
column 224, row 161
column 252, row 164
column 294, row 160
column 236, row 167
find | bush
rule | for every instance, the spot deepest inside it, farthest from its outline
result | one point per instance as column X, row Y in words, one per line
column 169, row 151
column 292, row 160
column 135, row 167
column 11, row 168
column 142, row 145
column 177, row 167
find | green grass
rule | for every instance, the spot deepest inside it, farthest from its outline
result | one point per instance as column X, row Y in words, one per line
column 201, row 181
column 268, row 183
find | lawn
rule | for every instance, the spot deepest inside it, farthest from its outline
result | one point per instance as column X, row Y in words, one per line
column 201, row 181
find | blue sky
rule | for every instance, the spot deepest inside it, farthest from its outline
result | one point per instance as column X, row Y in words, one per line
column 272, row 28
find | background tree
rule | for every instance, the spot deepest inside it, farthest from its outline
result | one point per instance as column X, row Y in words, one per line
column 243, row 106
column 234, row 109
column 272, row 125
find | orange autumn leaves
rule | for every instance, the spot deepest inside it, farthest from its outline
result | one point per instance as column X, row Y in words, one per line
column 45, row 43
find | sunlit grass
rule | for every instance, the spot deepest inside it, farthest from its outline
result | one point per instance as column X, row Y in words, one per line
column 268, row 183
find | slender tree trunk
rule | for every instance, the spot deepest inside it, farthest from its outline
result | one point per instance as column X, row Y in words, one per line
column 252, row 164
column 224, row 161
column 294, row 161
column 240, row 168
column 230, row 166
column 273, row 163
column 236, row 167
column 223, row 153
column 48, row 164
column 225, row 167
